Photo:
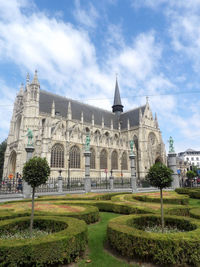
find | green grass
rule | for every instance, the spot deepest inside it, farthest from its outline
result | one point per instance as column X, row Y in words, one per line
column 194, row 202
column 98, row 256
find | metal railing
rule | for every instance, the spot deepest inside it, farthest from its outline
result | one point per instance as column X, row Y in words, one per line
column 72, row 184
column 100, row 183
column 11, row 186
column 122, row 182
column 50, row 186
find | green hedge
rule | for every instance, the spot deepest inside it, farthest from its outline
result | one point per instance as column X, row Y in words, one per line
column 181, row 200
column 183, row 190
column 179, row 248
column 122, row 208
column 195, row 213
column 179, row 211
column 59, row 247
column 194, row 194
column 89, row 215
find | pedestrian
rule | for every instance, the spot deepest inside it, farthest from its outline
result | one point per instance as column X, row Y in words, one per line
column 19, row 186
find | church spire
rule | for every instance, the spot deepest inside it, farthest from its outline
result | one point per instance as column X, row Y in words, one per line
column 35, row 79
column 117, row 105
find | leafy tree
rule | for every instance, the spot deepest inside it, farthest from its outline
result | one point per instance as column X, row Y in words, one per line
column 3, row 146
column 35, row 173
column 160, row 176
column 190, row 174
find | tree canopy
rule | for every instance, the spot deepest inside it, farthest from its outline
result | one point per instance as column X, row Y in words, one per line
column 160, row 175
column 36, row 171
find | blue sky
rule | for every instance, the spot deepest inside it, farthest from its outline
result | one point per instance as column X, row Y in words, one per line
column 79, row 46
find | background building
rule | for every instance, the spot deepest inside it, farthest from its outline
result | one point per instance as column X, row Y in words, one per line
column 60, row 126
column 191, row 156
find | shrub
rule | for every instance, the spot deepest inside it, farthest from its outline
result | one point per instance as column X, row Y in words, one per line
column 179, row 211
column 180, row 200
column 184, row 190
column 90, row 214
column 68, row 241
column 180, row 248
column 195, row 213
column 194, row 194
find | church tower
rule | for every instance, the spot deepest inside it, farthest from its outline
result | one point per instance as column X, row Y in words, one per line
column 117, row 107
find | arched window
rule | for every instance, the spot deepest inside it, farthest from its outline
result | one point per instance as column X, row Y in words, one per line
column 124, row 161
column 114, row 160
column 74, row 157
column 57, row 156
column 103, row 159
column 92, row 159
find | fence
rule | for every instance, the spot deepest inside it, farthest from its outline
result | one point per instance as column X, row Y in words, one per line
column 72, row 184
column 50, row 186
column 100, row 183
column 122, row 183
column 12, row 186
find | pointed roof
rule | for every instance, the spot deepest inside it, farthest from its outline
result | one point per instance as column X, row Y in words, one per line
column 117, row 98
column 117, row 104
column 35, row 79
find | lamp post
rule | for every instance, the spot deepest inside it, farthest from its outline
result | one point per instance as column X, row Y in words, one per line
column 68, row 178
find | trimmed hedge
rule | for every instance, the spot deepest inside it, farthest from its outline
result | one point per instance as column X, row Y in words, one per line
column 89, row 215
column 195, row 213
column 178, row 211
column 122, row 208
column 63, row 246
column 181, row 200
column 183, row 190
column 166, row 249
column 194, row 194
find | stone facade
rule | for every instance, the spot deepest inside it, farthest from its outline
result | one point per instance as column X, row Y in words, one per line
column 56, row 120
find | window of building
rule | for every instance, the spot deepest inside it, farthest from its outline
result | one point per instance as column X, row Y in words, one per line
column 103, row 159
column 57, row 156
column 114, row 160
column 187, row 159
column 74, row 157
column 197, row 158
column 92, row 159
column 192, row 158
column 124, row 161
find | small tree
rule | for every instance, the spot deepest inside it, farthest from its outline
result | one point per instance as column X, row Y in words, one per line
column 160, row 176
column 190, row 175
column 35, row 173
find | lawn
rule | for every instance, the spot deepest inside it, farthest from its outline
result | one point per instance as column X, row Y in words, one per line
column 96, row 253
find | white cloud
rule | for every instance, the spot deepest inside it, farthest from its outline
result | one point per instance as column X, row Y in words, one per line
column 86, row 17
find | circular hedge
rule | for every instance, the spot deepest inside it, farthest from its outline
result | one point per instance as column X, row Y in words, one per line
column 89, row 214
column 125, row 234
column 168, row 198
column 195, row 213
column 68, row 241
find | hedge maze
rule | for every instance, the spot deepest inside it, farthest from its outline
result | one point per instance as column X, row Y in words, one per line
column 65, row 218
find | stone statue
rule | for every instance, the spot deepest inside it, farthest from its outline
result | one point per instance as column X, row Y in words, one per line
column 131, row 146
column 87, row 143
column 30, row 137
column 171, row 145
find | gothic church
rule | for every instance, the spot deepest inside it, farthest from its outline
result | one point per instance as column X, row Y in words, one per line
column 60, row 126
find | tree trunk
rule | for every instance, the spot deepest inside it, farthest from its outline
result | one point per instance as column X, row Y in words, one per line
column 32, row 212
column 162, row 211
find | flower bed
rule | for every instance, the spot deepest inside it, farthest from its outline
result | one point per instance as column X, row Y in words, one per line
column 89, row 214
column 66, row 242
column 126, row 234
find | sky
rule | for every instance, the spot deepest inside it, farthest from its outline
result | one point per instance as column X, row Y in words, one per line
column 79, row 46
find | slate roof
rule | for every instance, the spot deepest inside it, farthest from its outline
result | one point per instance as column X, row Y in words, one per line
column 61, row 106
column 117, row 98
